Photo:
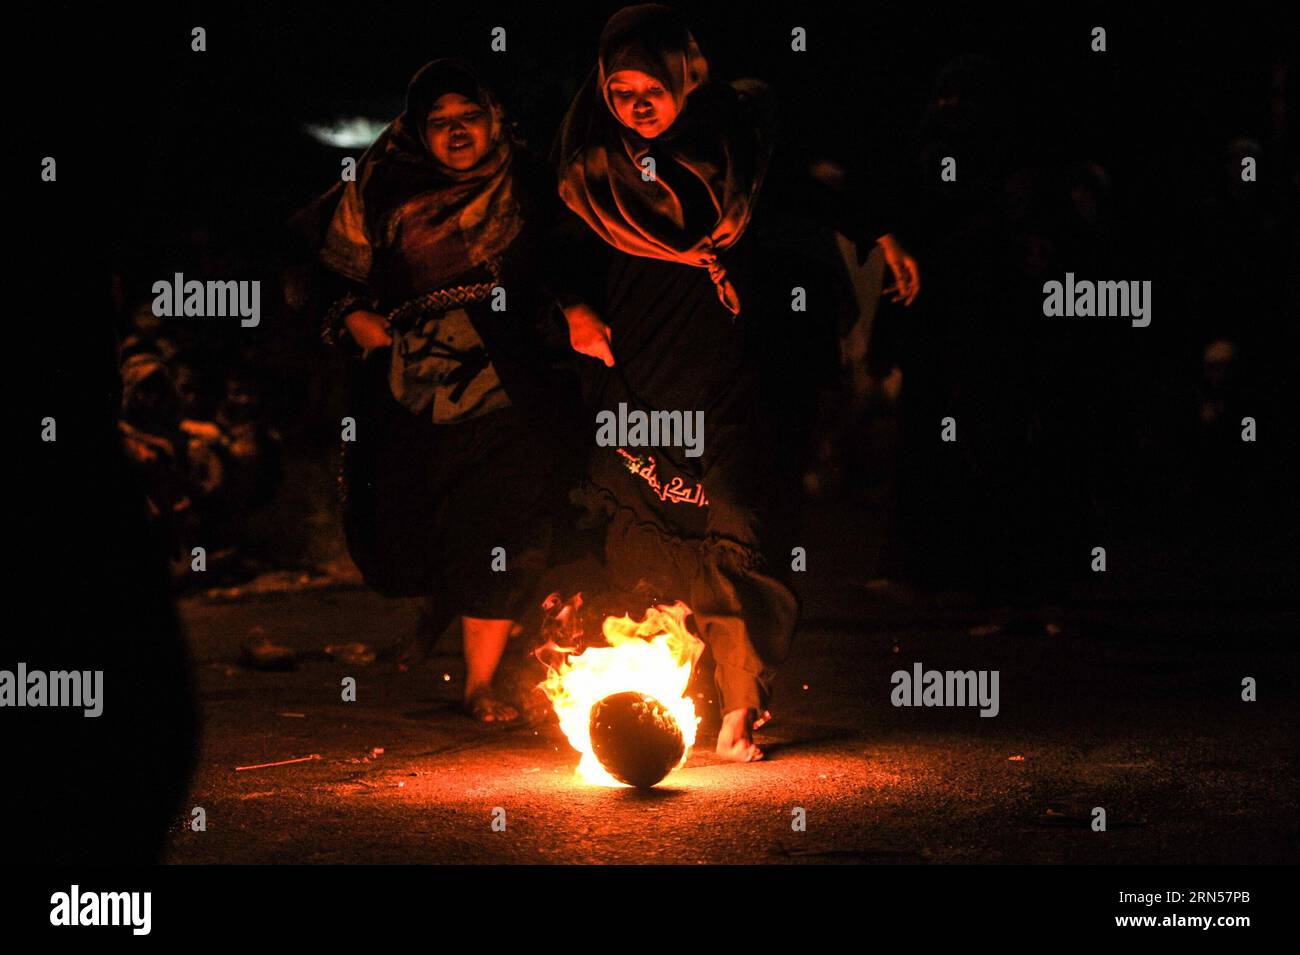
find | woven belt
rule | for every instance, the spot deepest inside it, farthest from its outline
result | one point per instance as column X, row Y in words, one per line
column 439, row 300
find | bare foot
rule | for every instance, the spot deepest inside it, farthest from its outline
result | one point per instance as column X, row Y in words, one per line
column 736, row 738
column 486, row 708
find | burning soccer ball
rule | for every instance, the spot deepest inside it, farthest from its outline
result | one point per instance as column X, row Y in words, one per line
column 636, row 738
column 623, row 706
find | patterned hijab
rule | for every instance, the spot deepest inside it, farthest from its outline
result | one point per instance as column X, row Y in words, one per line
column 461, row 218
column 715, row 143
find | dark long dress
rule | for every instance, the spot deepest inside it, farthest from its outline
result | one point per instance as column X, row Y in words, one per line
column 426, row 503
column 677, row 348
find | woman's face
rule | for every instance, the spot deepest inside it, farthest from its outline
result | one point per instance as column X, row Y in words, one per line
column 458, row 131
column 641, row 102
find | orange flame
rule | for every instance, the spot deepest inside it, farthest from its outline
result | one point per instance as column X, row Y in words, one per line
column 653, row 656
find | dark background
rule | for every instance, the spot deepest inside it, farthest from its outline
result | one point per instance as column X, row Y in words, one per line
column 171, row 160
column 167, row 156
column 193, row 162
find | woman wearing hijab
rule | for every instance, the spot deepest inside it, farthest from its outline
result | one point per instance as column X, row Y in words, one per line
column 664, row 165
column 446, row 477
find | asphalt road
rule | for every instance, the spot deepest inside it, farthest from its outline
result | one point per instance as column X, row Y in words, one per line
column 1139, row 713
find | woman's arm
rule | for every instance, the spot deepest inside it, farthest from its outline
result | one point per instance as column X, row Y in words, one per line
column 907, row 274
column 588, row 334
column 574, row 266
column 860, row 214
column 353, row 321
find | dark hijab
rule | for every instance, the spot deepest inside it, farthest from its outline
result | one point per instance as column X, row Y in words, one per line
column 708, row 165
column 464, row 218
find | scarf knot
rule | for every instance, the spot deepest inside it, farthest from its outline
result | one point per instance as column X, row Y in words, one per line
column 718, row 273
column 715, row 142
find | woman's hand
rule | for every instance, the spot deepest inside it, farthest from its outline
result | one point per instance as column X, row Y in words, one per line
column 588, row 334
column 370, row 330
column 907, row 275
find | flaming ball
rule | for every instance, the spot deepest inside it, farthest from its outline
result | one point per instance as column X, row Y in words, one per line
column 636, row 738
